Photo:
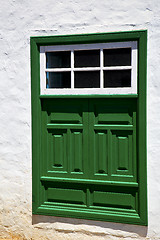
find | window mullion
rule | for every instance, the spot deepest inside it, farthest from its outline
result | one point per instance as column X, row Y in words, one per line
column 83, row 69
column 57, row 69
column 101, row 68
column 118, row 68
column 72, row 69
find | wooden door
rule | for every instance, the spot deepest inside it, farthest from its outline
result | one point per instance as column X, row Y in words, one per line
column 89, row 160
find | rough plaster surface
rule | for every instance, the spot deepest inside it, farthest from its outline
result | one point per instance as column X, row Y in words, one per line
column 18, row 21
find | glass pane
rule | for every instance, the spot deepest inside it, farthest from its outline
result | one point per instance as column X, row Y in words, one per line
column 58, row 80
column 87, row 79
column 117, row 57
column 58, row 59
column 121, row 78
column 87, row 58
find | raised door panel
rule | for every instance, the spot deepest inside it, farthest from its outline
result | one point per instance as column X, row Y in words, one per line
column 64, row 195
column 76, row 151
column 101, row 152
column 114, row 199
column 64, row 138
column 122, row 155
column 112, row 139
column 57, row 147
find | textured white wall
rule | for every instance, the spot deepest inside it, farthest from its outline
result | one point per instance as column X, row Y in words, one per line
column 18, row 21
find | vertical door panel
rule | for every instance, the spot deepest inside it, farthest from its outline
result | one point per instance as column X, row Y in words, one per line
column 77, row 151
column 100, row 152
column 112, row 139
column 122, row 157
column 65, row 137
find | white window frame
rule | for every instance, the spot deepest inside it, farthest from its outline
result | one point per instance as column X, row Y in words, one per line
column 89, row 91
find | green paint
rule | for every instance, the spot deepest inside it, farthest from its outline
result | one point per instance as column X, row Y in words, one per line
column 90, row 96
column 66, row 195
column 89, row 152
column 112, row 199
column 89, row 181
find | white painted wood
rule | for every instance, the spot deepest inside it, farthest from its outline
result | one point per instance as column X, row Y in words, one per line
column 101, row 68
column 42, row 67
column 83, row 69
column 91, row 91
column 117, row 68
column 72, row 69
column 134, row 63
column 58, row 69
column 131, row 44
column 87, row 68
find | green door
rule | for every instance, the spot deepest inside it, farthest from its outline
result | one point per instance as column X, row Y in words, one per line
column 89, row 160
column 89, row 126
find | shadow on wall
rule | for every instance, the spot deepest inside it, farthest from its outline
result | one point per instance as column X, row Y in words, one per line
column 69, row 225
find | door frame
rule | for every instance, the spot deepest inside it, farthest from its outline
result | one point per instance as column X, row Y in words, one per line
column 36, row 42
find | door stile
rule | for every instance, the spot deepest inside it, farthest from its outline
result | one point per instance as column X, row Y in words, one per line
column 85, row 142
column 91, row 150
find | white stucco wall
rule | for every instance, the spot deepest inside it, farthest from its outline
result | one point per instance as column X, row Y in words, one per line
column 18, row 21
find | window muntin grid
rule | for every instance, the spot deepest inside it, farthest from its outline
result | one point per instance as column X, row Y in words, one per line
column 74, row 69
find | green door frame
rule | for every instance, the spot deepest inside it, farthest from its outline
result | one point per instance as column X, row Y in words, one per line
column 36, row 42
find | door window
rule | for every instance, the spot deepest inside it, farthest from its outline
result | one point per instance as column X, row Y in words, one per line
column 106, row 68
